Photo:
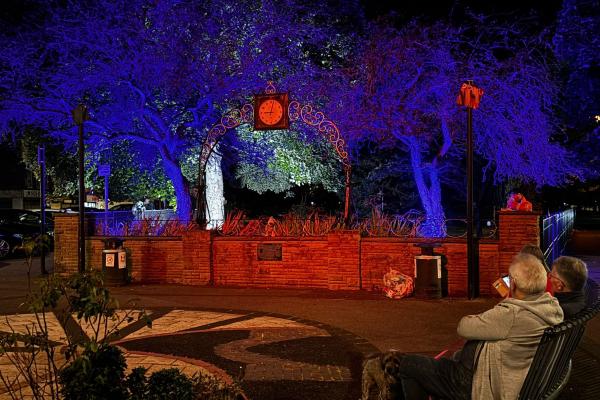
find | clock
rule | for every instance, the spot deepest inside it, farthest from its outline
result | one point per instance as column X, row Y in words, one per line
column 271, row 111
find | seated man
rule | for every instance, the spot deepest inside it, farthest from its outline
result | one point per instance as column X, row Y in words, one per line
column 496, row 358
column 568, row 277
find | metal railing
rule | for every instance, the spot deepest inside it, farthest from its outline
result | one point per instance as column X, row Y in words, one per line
column 119, row 223
column 556, row 229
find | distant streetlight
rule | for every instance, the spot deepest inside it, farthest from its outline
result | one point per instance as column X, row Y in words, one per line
column 469, row 96
column 80, row 115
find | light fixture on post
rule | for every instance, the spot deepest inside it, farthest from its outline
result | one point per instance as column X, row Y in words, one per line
column 470, row 96
column 80, row 115
column 43, row 233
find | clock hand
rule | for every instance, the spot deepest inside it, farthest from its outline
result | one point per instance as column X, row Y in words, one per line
column 272, row 104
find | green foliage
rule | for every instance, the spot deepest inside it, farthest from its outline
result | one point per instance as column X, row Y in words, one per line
column 61, row 161
column 48, row 295
column 154, row 184
column 97, row 374
column 89, row 298
column 207, row 387
column 279, row 160
column 91, row 369
column 137, row 383
column 168, row 384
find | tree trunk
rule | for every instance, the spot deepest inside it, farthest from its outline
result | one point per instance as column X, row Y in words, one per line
column 215, row 200
column 430, row 192
column 182, row 191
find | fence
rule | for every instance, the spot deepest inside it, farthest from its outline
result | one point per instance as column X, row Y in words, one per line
column 556, row 229
column 118, row 223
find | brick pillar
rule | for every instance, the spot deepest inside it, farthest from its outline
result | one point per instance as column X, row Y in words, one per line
column 515, row 229
column 66, row 230
column 197, row 258
column 343, row 260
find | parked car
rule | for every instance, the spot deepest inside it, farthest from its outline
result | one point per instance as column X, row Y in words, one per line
column 18, row 226
column 122, row 207
column 16, row 216
column 75, row 209
column 9, row 241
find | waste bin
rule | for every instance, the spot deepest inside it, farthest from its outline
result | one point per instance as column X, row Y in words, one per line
column 114, row 263
column 428, row 277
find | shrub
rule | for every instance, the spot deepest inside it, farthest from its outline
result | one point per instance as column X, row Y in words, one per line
column 168, row 384
column 98, row 374
column 207, row 387
column 137, row 384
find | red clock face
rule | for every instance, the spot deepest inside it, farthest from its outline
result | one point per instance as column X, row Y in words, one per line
column 270, row 112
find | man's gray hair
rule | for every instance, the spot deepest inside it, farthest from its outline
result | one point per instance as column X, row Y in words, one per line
column 529, row 274
column 572, row 271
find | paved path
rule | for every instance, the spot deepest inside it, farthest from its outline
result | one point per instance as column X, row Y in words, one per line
column 265, row 351
column 290, row 344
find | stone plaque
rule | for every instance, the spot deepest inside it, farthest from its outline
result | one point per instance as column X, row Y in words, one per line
column 269, row 252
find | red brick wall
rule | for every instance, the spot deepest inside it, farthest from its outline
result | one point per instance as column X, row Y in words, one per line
column 378, row 255
column 338, row 261
column 197, row 258
column 66, row 228
column 303, row 263
column 515, row 229
column 343, row 261
column 150, row 260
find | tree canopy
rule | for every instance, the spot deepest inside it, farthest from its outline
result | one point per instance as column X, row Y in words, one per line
column 160, row 73
column 404, row 93
column 156, row 75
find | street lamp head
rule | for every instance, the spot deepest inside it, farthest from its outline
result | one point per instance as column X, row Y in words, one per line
column 80, row 114
column 470, row 95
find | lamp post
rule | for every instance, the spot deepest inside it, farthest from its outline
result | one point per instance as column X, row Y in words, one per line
column 43, row 233
column 469, row 96
column 80, row 115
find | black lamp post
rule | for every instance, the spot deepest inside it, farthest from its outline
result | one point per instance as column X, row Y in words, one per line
column 469, row 96
column 43, row 233
column 80, row 115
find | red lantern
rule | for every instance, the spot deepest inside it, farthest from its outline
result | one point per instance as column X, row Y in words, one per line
column 469, row 96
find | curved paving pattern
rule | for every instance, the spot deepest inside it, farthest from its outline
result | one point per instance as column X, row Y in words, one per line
column 274, row 356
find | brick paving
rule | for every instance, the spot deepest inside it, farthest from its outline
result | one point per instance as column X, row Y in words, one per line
column 284, row 344
column 263, row 330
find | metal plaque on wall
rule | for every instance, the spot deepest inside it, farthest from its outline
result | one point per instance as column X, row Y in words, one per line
column 269, row 252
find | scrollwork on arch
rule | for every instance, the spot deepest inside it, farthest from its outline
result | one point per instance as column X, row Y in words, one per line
column 296, row 112
column 328, row 128
column 232, row 119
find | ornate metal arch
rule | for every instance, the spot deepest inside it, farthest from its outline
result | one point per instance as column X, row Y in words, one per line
column 245, row 115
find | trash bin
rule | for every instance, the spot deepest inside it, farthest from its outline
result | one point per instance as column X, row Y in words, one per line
column 428, row 277
column 114, row 263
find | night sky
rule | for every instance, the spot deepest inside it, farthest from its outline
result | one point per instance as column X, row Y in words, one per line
column 442, row 9
column 12, row 11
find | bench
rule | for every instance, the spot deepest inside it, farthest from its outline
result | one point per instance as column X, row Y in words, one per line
column 551, row 367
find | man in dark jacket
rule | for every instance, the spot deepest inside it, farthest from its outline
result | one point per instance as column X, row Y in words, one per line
column 568, row 277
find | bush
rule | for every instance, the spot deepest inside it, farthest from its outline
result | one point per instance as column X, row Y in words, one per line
column 90, row 368
column 137, row 384
column 168, row 384
column 98, row 374
column 207, row 387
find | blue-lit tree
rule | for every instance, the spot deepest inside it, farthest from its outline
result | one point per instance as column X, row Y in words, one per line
column 159, row 73
column 404, row 94
column 577, row 47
